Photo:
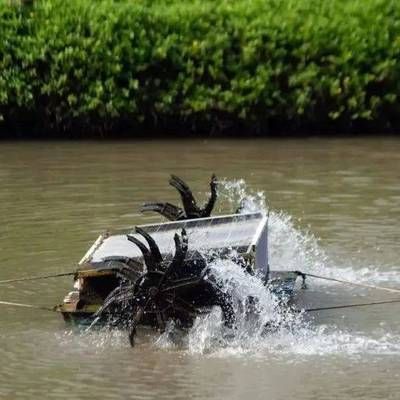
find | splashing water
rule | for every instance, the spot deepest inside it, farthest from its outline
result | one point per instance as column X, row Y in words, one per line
column 289, row 249
column 293, row 248
column 254, row 306
column 295, row 334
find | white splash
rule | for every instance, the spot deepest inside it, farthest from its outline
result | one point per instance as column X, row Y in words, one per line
column 254, row 306
column 290, row 248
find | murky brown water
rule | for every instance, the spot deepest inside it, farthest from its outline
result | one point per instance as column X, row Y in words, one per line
column 55, row 198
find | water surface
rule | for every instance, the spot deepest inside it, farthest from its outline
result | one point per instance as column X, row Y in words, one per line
column 336, row 207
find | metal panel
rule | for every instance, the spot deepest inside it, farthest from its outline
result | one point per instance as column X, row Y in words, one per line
column 261, row 250
column 237, row 231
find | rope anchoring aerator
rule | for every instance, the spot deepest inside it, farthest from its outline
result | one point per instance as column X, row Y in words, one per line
column 34, row 278
column 54, row 309
column 40, row 277
column 22, row 305
column 372, row 303
column 327, row 278
column 303, row 275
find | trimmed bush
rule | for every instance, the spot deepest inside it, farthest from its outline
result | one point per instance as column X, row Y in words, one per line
column 259, row 66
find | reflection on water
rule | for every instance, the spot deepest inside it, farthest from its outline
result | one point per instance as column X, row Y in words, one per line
column 56, row 198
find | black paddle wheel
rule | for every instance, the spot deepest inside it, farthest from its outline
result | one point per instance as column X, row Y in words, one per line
column 190, row 208
column 176, row 288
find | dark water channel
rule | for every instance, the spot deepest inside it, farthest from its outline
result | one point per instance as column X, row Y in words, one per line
column 336, row 209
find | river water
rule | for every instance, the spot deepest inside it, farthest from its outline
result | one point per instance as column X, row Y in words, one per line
column 335, row 207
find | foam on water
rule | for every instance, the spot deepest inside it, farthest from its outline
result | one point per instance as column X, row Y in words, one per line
column 290, row 248
column 295, row 334
column 249, row 331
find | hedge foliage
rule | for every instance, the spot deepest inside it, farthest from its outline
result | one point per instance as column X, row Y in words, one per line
column 95, row 65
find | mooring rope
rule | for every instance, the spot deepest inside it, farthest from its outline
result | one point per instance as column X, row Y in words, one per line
column 34, row 278
column 327, row 278
column 372, row 303
column 42, row 308
column 85, row 258
column 302, row 274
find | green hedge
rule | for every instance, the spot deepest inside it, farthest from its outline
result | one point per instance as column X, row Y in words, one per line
column 99, row 66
